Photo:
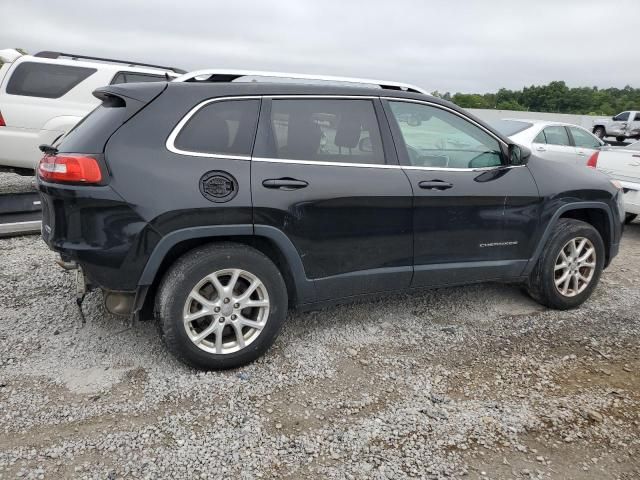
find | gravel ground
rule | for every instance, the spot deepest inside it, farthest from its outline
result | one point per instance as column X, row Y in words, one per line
column 475, row 382
column 14, row 183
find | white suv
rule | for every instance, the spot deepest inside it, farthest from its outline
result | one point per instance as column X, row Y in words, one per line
column 43, row 96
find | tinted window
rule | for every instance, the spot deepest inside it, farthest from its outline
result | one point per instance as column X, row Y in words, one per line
column 226, row 127
column 637, row 118
column 510, row 127
column 622, row 117
column 46, row 80
column 438, row 138
column 326, row 131
column 557, row 135
column 583, row 138
column 130, row 77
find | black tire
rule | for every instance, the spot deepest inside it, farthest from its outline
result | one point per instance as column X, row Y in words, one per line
column 620, row 139
column 541, row 284
column 185, row 274
column 630, row 217
column 599, row 132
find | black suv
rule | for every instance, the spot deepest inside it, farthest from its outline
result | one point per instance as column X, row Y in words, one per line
column 217, row 205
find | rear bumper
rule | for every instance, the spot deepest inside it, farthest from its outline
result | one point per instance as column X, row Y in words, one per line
column 95, row 228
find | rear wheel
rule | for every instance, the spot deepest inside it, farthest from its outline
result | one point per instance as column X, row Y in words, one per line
column 221, row 306
column 630, row 217
column 620, row 139
column 599, row 132
column 569, row 267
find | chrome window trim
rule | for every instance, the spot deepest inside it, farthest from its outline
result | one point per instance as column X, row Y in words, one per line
column 377, row 165
column 170, row 143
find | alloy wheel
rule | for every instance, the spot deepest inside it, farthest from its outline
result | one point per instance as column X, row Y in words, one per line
column 575, row 267
column 226, row 311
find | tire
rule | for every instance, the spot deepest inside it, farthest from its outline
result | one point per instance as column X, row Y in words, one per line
column 599, row 132
column 620, row 139
column 630, row 217
column 188, row 340
column 542, row 281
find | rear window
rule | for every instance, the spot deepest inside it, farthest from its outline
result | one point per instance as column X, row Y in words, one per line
column 510, row 127
column 225, row 127
column 91, row 134
column 131, row 77
column 46, row 80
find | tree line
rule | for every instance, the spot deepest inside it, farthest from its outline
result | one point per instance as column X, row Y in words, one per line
column 555, row 97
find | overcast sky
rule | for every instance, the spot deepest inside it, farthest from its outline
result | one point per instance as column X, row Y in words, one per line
column 446, row 45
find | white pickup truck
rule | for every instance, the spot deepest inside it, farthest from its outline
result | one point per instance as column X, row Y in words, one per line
column 622, row 126
column 43, row 96
column 622, row 164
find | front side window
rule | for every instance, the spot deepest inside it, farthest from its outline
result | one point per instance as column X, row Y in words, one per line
column 46, row 80
column 326, row 130
column 583, row 138
column 225, row 127
column 438, row 138
column 622, row 117
column 557, row 135
column 133, row 77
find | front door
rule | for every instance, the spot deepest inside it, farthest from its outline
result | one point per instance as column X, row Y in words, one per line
column 463, row 195
column 325, row 174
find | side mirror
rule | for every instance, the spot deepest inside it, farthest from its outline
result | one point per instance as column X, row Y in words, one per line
column 518, row 155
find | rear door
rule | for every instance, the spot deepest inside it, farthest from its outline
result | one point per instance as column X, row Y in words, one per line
column 474, row 215
column 553, row 143
column 586, row 144
column 324, row 174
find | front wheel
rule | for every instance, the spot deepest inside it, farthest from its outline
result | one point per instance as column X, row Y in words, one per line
column 569, row 267
column 221, row 306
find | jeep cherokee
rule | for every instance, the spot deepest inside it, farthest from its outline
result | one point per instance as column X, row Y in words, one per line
column 216, row 205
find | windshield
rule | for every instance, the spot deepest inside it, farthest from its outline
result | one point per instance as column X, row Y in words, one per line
column 510, row 127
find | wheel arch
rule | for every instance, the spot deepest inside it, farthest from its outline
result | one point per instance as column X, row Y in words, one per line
column 270, row 241
column 597, row 214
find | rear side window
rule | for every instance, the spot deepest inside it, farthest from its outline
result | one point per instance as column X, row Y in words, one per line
column 131, row 77
column 225, row 127
column 326, row 131
column 557, row 135
column 46, row 80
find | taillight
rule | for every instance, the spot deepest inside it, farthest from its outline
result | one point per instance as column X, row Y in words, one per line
column 70, row 168
column 2, row 123
column 593, row 160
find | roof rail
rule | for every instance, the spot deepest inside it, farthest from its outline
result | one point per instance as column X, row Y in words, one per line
column 48, row 54
column 230, row 75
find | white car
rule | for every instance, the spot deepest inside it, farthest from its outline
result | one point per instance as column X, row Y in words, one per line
column 623, row 164
column 43, row 96
column 557, row 141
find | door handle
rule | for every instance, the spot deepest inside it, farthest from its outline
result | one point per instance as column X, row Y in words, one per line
column 435, row 185
column 541, row 149
column 582, row 154
column 284, row 183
